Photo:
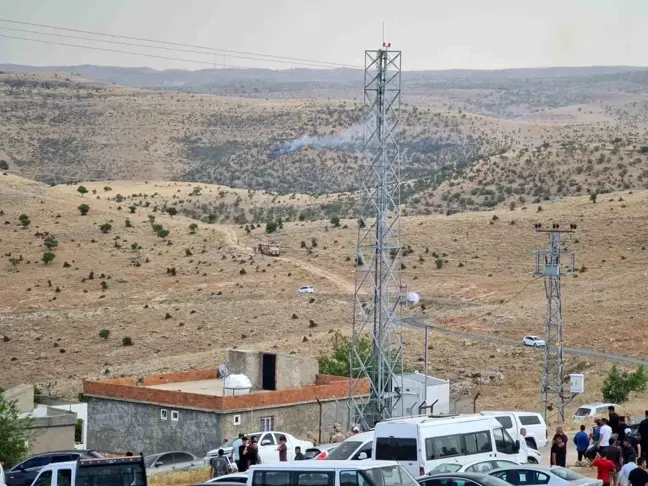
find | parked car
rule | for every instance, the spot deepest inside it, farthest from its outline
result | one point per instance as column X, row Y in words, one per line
column 591, row 410
column 475, row 466
column 268, row 443
column 533, row 422
column 319, row 452
column 23, row 474
column 237, row 477
column 171, row 461
column 355, row 448
column 461, row 479
column 533, row 341
column 536, row 475
column 306, row 289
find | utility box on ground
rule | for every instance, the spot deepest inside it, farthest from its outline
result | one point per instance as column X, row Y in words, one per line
column 412, row 390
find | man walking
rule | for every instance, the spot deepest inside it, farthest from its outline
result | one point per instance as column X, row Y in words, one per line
column 627, row 468
column 638, row 476
column 581, row 439
column 524, row 447
column 243, row 459
column 604, row 468
column 642, row 435
column 613, row 418
column 283, row 449
column 219, row 464
column 605, row 434
column 236, row 451
column 558, row 452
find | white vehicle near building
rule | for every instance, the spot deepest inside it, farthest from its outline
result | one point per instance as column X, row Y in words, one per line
column 533, row 341
column 531, row 421
column 591, row 410
column 355, row 448
column 268, row 443
column 420, row 444
column 331, row 473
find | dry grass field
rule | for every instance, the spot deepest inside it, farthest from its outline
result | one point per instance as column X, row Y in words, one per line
column 185, row 298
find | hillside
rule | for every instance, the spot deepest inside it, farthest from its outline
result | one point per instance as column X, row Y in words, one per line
column 58, row 128
column 184, row 297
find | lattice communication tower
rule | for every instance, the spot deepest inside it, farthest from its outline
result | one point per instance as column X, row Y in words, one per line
column 548, row 264
column 378, row 290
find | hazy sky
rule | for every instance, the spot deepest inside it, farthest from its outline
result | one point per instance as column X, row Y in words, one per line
column 433, row 34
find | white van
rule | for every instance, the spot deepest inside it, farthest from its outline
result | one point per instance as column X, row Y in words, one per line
column 533, row 422
column 330, row 473
column 422, row 443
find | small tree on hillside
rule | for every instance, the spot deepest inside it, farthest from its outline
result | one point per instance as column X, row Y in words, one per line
column 593, row 197
column 132, row 209
column 14, row 431
column 105, row 228
column 335, row 221
column 82, row 190
column 24, row 220
column 83, row 209
column 172, row 212
column 48, row 256
column 4, row 165
column 618, row 384
column 192, row 228
column 271, row 226
column 337, row 363
column 50, row 242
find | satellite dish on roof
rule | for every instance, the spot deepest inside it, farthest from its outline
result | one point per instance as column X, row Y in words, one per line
column 223, row 372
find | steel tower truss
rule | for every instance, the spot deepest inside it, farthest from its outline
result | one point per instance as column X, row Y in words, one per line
column 378, row 290
column 548, row 265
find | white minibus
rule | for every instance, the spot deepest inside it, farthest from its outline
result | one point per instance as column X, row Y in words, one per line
column 421, row 443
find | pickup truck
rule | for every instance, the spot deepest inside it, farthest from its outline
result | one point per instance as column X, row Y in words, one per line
column 116, row 471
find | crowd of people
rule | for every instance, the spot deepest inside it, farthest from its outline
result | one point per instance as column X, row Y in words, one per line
column 619, row 457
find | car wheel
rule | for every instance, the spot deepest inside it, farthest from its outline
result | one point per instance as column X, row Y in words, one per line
column 532, row 460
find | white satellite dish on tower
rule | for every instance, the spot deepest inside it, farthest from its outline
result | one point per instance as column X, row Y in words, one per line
column 413, row 298
column 223, row 372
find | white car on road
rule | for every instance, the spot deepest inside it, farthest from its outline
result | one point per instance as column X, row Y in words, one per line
column 306, row 289
column 533, row 341
column 268, row 443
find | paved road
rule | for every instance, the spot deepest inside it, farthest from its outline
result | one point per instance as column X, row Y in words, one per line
column 419, row 323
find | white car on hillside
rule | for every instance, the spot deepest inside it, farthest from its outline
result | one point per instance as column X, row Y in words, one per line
column 533, row 341
column 268, row 443
column 306, row 289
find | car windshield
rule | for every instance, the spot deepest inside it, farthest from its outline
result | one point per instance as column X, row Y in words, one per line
column 566, row 474
column 344, row 450
column 581, row 412
column 446, row 468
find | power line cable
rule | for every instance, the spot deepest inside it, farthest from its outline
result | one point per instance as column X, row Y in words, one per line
column 311, row 64
column 142, row 39
column 155, row 56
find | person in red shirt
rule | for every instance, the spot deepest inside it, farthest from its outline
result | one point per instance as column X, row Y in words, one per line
column 604, row 468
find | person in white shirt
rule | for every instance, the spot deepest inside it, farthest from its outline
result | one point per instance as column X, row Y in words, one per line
column 2, row 474
column 626, row 470
column 605, row 434
column 236, row 456
column 524, row 447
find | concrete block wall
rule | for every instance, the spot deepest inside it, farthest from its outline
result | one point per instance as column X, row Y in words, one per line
column 240, row 361
column 23, row 396
column 118, row 427
column 53, row 432
column 295, row 371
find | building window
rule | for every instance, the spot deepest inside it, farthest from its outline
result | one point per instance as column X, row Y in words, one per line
column 237, row 420
column 164, row 414
column 175, row 415
column 267, row 424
